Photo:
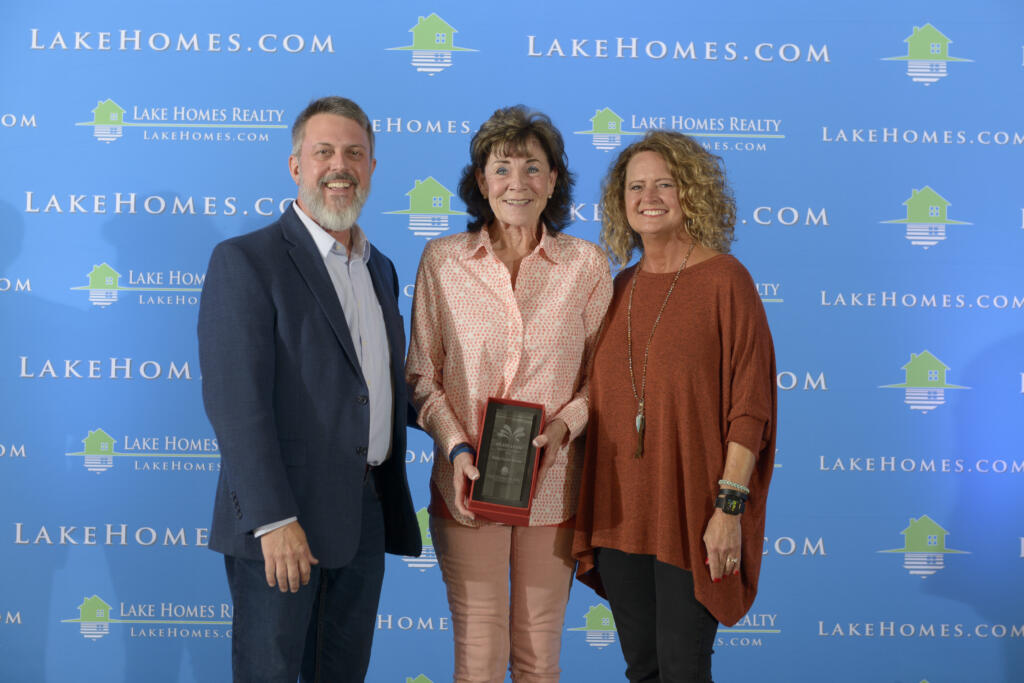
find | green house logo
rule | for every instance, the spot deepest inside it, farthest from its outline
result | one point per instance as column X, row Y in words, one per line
column 924, row 547
column 419, row 679
column 93, row 618
column 927, row 218
column 606, row 130
column 105, row 284
column 107, row 121
column 428, row 558
column 430, row 205
column 927, row 55
column 925, row 384
column 433, row 42
column 98, row 452
column 599, row 624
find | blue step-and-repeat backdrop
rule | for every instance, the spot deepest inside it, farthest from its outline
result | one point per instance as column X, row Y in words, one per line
column 875, row 149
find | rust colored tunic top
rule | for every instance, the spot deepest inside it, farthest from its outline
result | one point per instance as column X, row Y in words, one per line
column 710, row 380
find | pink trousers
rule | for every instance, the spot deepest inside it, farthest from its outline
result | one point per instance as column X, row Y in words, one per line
column 507, row 591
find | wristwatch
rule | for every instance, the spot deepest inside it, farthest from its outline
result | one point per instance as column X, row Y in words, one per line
column 730, row 505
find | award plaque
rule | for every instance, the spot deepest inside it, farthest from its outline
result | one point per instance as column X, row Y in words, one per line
column 507, row 460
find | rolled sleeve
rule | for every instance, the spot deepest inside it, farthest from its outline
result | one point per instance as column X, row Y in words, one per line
column 753, row 376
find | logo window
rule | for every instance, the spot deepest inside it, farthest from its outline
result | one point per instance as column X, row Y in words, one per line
column 440, row 38
column 933, row 211
column 104, row 446
column 605, row 621
column 611, row 125
column 933, row 539
column 113, row 116
column 936, row 49
column 108, row 281
column 933, row 375
column 437, row 202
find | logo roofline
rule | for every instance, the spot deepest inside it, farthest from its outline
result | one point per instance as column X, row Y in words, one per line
column 918, row 59
column 946, row 551
column 921, row 386
column 929, row 222
column 601, row 132
column 426, row 213
column 584, row 628
column 445, row 49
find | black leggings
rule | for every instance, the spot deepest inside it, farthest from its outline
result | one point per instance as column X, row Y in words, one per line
column 666, row 634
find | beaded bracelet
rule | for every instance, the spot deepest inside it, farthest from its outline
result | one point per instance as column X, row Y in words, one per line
column 738, row 487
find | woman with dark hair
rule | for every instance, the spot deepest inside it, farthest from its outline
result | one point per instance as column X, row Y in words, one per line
column 681, row 440
column 509, row 309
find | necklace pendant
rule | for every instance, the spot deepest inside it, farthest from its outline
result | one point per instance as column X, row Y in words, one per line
column 640, row 424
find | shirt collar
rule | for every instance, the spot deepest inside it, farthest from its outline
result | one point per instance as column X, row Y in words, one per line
column 325, row 242
column 549, row 246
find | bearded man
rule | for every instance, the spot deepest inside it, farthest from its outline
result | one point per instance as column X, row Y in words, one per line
column 301, row 347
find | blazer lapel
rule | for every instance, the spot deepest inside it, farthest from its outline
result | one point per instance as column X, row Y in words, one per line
column 311, row 266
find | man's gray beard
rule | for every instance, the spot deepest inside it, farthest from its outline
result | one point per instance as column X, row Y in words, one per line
column 335, row 220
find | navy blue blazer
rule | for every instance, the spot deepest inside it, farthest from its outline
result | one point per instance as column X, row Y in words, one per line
column 284, row 392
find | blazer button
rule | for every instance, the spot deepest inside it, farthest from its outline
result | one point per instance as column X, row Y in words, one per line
column 361, row 451
column 362, row 400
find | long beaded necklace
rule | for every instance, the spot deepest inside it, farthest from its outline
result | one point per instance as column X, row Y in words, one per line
column 641, row 396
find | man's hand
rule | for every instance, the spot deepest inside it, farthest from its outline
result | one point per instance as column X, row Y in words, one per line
column 286, row 557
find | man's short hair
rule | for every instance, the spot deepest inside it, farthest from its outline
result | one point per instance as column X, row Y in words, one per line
column 339, row 106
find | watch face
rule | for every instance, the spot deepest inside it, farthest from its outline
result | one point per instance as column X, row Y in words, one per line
column 730, row 506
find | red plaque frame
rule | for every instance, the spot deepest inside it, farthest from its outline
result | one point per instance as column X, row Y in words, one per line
column 493, row 495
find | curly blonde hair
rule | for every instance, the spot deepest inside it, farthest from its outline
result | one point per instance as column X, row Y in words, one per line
column 704, row 195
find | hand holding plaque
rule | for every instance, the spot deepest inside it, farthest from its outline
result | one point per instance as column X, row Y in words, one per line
column 551, row 439
column 507, row 461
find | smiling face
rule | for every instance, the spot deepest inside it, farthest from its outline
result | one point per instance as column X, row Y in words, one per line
column 652, row 197
column 517, row 186
column 333, row 170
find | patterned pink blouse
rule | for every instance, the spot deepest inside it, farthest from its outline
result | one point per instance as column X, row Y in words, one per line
column 474, row 337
